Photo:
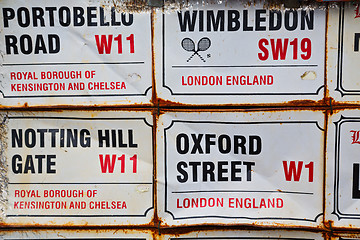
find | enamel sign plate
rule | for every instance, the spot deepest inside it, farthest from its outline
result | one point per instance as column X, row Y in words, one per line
column 77, row 168
column 343, row 169
column 344, row 52
column 241, row 168
column 77, row 234
column 233, row 53
column 73, row 53
column 246, row 235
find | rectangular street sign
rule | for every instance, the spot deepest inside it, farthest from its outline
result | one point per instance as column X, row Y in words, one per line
column 343, row 168
column 73, row 53
column 256, row 168
column 344, row 53
column 76, row 168
column 240, row 53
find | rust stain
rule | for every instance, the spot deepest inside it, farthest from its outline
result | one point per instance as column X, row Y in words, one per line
column 60, row 108
column 328, row 225
column 167, row 103
column 159, row 106
column 154, row 100
column 294, row 103
column 326, row 125
column 185, row 229
column 301, row 103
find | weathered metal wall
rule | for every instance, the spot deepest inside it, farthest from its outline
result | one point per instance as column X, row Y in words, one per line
column 210, row 120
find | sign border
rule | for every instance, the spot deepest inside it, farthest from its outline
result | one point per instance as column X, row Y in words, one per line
column 221, row 94
column 229, row 217
column 88, row 119
column 96, row 63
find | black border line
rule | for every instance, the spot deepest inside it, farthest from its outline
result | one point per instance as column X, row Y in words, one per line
column 339, row 85
column 80, row 118
column 316, row 93
column 245, row 123
column 92, row 215
column 229, row 217
column 336, row 211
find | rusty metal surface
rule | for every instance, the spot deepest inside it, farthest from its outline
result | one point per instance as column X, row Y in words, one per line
column 158, row 106
column 345, row 236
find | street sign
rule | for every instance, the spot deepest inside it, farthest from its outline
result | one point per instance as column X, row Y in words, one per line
column 256, row 168
column 240, row 53
column 342, row 173
column 76, row 168
column 73, row 53
column 343, row 53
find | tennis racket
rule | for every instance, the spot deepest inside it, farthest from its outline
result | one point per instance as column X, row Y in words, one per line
column 189, row 45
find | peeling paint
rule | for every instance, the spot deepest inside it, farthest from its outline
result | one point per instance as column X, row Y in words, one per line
column 3, row 165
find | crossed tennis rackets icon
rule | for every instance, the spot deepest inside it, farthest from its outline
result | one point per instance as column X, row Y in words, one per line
column 189, row 45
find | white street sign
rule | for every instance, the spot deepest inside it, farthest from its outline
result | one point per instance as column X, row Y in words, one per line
column 342, row 173
column 344, row 52
column 240, row 53
column 73, row 53
column 241, row 168
column 77, row 168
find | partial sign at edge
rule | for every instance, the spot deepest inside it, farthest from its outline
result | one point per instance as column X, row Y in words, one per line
column 343, row 52
column 342, row 173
